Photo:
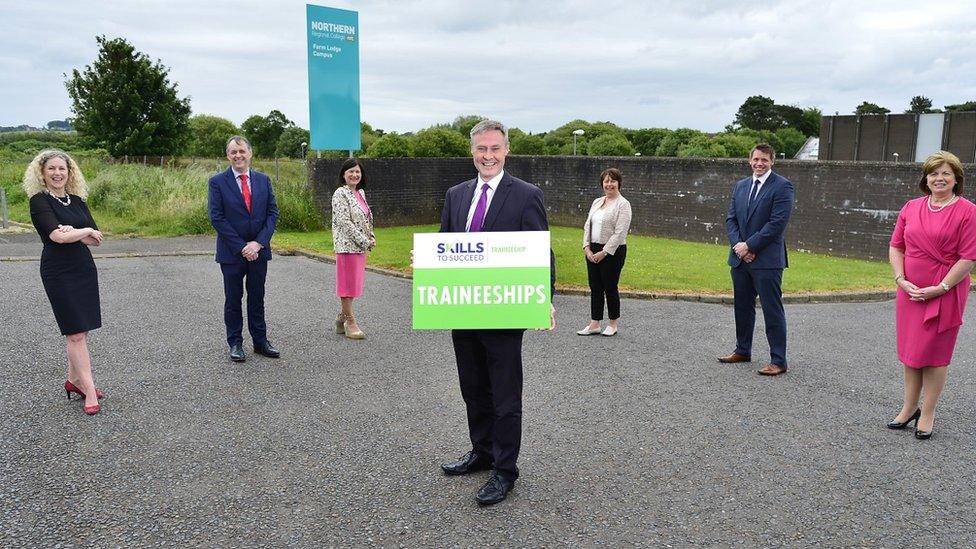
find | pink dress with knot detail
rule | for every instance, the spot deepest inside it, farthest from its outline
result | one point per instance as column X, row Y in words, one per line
column 933, row 242
column 351, row 268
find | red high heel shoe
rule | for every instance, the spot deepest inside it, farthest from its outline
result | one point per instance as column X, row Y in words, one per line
column 70, row 388
column 92, row 410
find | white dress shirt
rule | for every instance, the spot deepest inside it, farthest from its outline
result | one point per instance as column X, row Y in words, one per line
column 492, row 187
column 237, row 177
column 762, row 181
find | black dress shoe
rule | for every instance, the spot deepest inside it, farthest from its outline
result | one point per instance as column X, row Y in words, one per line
column 495, row 490
column 903, row 424
column 267, row 350
column 237, row 353
column 922, row 435
column 468, row 463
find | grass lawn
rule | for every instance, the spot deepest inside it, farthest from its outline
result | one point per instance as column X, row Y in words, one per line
column 653, row 264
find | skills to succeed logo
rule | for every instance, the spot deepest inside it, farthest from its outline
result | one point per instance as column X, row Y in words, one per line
column 466, row 251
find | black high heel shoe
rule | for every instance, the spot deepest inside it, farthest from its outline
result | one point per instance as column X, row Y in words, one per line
column 903, row 424
column 922, row 435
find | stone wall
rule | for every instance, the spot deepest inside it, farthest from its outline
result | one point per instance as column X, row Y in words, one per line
column 842, row 208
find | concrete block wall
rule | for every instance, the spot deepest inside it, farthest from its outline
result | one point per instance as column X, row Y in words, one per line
column 845, row 209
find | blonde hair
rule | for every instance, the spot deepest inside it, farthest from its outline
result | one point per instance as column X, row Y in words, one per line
column 34, row 175
column 937, row 159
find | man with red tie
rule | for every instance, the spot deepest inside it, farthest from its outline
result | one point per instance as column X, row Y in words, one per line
column 244, row 212
column 489, row 362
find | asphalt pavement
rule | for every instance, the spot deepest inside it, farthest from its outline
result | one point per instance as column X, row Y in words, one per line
column 642, row 439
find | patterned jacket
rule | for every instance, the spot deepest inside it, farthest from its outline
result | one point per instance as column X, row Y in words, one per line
column 615, row 226
column 352, row 230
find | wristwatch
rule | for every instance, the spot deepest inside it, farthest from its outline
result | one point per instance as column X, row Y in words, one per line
column 944, row 286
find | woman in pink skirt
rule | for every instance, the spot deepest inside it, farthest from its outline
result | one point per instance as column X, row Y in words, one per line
column 352, row 237
column 932, row 251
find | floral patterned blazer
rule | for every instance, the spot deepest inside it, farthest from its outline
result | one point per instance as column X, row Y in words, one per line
column 352, row 229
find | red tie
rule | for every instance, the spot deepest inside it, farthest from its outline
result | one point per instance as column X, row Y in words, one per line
column 246, row 191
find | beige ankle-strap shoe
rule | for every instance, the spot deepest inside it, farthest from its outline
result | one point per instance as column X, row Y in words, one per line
column 352, row 334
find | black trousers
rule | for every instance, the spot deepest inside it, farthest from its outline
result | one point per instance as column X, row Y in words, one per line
column 489, row 366
column 604, row 277
column 237, row 276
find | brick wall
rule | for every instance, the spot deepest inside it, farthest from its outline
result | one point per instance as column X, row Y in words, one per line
column 842, row 208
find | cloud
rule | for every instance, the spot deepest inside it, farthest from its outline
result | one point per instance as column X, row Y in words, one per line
column 536, row 65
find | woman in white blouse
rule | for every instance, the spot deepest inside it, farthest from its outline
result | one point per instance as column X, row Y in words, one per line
column 605, row 246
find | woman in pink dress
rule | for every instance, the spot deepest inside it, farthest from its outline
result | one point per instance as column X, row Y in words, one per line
column 932, row 252
column 352, row 237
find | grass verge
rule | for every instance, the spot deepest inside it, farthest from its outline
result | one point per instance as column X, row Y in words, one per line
column 653, row 264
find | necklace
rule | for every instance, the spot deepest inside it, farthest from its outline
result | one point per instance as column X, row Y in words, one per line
column 942, row 207
column 65, row 203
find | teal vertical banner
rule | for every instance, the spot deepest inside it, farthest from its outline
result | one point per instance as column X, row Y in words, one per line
column 333, row 78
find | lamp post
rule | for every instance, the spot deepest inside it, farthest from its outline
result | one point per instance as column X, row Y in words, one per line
column 304, row 144
column 895, row 156
column 576, row 133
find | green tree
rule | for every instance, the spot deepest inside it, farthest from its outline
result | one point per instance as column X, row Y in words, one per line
column 125, row 103
column 962, row 107
column 790, row 141
column 646, row 140
column 870, row 108
column 464, row 123
column 367, row 137
column 610, row 144
column 208, row 136
column 758, row 113
column 527, row 144
column 60, row 125
column 264, row 131
column 736, row 144
column 920, row 105
column 702, row 146
column 788, row 116
column 811, row 121
column 761, row 136
column 290, row 143
column 390, row 145
column 436, row 141
column 560, row 140
column 670, row 144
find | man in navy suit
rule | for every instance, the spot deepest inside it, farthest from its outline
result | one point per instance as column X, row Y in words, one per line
column 759, row 210
column 490, row 361
column 243, row 211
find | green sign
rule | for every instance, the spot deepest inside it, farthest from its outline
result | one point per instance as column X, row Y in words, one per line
column 481, row 280
column 333, row 78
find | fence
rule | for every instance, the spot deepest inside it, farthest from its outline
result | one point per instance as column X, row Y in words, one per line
column 3, row 208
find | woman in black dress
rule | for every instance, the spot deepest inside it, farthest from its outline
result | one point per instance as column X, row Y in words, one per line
column 57, row 189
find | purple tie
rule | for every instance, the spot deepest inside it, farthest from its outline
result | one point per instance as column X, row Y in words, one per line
column 479, row 211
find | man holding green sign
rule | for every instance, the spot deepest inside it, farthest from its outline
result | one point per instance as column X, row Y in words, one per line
column 489, row 361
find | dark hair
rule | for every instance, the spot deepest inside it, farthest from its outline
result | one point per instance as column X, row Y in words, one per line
column 612, row 173
column 766, row 149
column 349, row 164
column 935, row 160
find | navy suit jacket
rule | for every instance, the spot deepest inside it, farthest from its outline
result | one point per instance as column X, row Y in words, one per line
column 762, row 224
column 516, row 206
column 234, row 224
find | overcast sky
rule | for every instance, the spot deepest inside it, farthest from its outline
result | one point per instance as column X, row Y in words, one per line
column 535, row 65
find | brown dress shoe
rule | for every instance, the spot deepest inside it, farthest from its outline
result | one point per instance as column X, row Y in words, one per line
column 771, row 370
column 733, row 358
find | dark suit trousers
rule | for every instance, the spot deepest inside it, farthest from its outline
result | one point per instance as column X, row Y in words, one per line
column 604, row 278
column 767, row 284
column 490, row 371
column 237, row 276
